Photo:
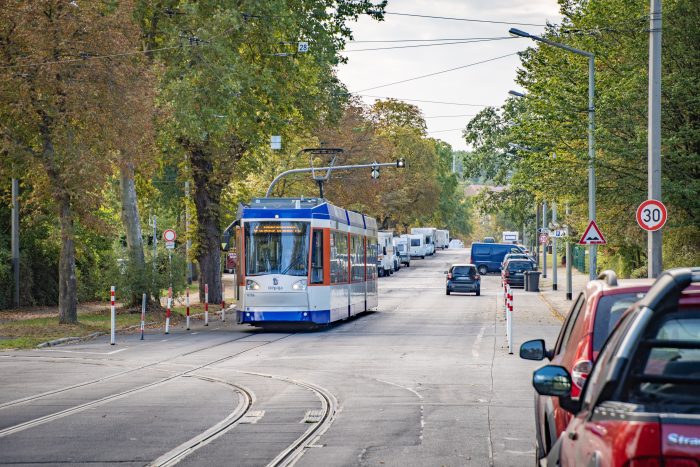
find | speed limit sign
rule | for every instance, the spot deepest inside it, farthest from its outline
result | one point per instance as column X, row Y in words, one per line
column 651, row 215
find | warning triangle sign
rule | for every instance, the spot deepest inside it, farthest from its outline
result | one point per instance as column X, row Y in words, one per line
column 592, row 236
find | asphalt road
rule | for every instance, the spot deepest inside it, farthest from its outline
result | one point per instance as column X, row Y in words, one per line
column 425, row 381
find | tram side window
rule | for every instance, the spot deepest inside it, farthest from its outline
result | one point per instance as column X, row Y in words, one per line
column 358, row 259
column 317, row 257
column 372, row 250
column 339, row 258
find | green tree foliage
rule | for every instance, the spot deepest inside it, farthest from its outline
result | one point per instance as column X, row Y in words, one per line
column 549, row 126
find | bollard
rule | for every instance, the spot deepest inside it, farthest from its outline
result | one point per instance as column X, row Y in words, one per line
column 143, row 315
column 187, row 306
column 167, row 310
column 223, row 302
column 206, row 304
column 509, row 322
column 113, row 317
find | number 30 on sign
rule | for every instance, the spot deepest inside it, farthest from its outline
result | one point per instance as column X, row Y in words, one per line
column 651, row 215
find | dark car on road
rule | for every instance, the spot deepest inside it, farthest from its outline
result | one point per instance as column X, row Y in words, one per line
column 594, row 314
column 641, row 403
column 463, row 278
column 488, row 256
column 513, row 272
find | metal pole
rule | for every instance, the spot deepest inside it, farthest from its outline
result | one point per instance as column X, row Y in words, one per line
column 155, row 253
column 593, row 255
column 544, row 246
column 188, row 242
column 554, row 247
column 569, row 259
column 537, row 237
column 654, row 244
column 15, row 238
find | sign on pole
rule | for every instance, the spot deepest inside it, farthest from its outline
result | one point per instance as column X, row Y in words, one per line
column 169, row 236
column 592, row 236
column 558, row 233
column 651, row 215
column 544, row 238
column 276, row 142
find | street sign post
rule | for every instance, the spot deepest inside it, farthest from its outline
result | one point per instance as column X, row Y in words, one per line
column 651, row 215
column 592, row 235
column 169, row 237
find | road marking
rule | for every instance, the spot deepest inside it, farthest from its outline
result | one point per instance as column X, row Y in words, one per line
column 252, row 417
column 477, row 342
column 79, row 351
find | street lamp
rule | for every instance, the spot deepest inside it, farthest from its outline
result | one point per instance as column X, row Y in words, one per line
column 516, row 93
column 591, row 126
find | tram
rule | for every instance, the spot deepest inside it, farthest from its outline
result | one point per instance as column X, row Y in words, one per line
column 303, row 260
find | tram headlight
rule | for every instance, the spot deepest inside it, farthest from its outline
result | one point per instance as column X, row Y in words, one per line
column 299, row 285
column 251, row 285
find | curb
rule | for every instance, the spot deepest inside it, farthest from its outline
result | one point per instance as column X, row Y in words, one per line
column 72, row 340
column 555, row 312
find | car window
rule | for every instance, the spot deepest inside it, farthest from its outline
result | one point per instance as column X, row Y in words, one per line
column 519, row 266
column 608, row 313
column 667, row 370
column 565, row 332
column 464, row 271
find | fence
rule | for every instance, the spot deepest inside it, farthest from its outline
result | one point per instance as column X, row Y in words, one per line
column 579, row 258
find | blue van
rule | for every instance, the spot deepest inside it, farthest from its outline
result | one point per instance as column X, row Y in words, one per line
column 488, row 256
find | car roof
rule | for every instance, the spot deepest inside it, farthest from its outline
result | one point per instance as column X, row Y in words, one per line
column 462, row 264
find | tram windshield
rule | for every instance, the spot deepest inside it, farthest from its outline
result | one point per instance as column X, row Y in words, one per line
column 280, row 247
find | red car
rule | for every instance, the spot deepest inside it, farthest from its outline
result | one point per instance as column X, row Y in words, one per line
column 641, row 405
column 591, row 319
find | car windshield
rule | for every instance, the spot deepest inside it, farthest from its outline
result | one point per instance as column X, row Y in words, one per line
column 462, row 271
column 669, row 368
column 280, row 247
column 608, row 313
column 520, row 266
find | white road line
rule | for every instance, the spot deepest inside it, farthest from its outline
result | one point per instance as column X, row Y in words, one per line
column 477, row 342
column 79, row 351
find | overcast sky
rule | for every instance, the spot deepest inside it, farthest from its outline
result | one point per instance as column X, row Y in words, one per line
column 481, row 84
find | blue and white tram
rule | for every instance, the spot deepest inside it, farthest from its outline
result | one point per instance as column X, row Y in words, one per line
column 304, row 260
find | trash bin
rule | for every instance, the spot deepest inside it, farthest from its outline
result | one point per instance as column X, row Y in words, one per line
column 532, row 281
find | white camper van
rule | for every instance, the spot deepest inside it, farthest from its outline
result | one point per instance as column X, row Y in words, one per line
column 429, row 234
column 401, row 250
column 416, row 245
column 442, row 239
column 385, row 260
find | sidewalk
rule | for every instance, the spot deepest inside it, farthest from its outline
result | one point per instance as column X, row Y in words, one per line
column 556, row 299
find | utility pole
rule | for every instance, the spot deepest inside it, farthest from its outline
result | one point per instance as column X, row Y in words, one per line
column 654, row 245
column 554, row 247
column 15, row 238
column 569, row 258
column 537, row 237
column 544, row 246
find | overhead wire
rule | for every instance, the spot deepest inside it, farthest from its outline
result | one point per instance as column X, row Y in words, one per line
column 421, row 100
column 452, row 18
column 429, row 45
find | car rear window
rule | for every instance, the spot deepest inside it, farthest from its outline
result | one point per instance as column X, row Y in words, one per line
column 669, row 369
column 608, row 313
column 464, row 271
column 519, row 266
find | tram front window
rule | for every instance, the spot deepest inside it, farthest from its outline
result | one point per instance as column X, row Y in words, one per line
column 276, row 248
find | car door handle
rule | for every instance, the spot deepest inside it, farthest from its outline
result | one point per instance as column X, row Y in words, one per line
column 572, row 435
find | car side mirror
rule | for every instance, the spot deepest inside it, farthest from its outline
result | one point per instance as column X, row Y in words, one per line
column 552, row 380
column 533, row 350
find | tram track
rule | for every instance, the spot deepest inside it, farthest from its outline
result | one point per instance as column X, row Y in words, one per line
column 83, row 384
column 104, row 400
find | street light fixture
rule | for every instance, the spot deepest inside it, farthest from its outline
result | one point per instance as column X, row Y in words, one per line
column 516, row 93
column 591, row 126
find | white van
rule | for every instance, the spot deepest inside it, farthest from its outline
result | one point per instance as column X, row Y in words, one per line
column 401, row 250
column 385, row 260
column 429, row 234
column 416, row 246
column 442, row 239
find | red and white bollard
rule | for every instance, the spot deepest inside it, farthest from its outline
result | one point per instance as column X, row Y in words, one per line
column 167, row 310
column 206, row 304
column 143, row 315
column 187, row 306
column 223, row 303
column 113, row 318
column 509, row 321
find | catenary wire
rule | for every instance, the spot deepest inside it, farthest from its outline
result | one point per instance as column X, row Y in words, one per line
column 471, row 20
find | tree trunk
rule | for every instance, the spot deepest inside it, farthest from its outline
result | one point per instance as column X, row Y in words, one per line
column 207, row 196
column 132, row 226
column 67, row 283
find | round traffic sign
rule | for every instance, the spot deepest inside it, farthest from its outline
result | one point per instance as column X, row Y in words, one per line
column 544, row 238
column 651, row 215
column 169, row 235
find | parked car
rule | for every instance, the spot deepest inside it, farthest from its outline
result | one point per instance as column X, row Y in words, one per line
column 513, row 272
column 463, row 278
column 523, row 256
column 488, row 256
column 401, row 250
column 592, row 317
column 641, row 404
column 489, row 240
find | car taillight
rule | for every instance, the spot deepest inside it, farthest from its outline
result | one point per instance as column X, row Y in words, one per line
column 580, row 371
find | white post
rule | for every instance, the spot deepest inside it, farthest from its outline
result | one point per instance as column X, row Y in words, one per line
column 554, row 247
column 143, row 315
column 206, row 304
column 113, row 318
column 509, row 321
column 167, row 310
